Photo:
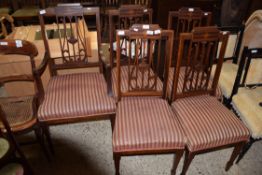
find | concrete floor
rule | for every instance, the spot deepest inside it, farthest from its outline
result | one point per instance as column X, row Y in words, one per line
column 86, row 149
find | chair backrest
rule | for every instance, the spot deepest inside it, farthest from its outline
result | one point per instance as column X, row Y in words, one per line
column 124, row 18
column 72, row 37
column 199, row 49
column 28, row 49
column 185, row 19
column 146, row 3
column 252, row 31
column 245, row 70
column 110, row 3
column 142, row 48
column 6, row 18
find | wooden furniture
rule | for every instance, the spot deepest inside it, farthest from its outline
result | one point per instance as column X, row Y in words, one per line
column 162, row 8
column 122, row 18
column 21, row 111
column 144, row 120
column 82, row 96
column 10, row 163
column 145, row 3
column 244, row 36
column 248, row 95
column 184, row 20
column 207, row 123
column 4, row 30
column 27, row 10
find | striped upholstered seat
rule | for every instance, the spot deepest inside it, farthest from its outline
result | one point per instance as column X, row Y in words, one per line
column 219, row 94
column 146, row 124
column 124, row 80
column 207, row 123
column 73, row 96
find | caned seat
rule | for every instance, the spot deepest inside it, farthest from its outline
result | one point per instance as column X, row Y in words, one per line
column 82, row 95
column 19, row 112
column 207, row 123
column 145, row 123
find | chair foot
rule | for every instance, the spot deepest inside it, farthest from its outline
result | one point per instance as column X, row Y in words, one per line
column 188, row 159
column 117, row 163
column 176, row 161
column 244, row 150
column 48, row 138
column 40, row 139
column 234, row 155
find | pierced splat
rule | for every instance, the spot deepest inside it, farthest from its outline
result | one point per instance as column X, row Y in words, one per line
column 72, row 34
column 199, row 49
column 144, row 57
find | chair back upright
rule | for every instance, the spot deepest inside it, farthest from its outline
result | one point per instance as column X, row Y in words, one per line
column 74, row 43
column 184, row 20
column 4, row 18
column 124, row 18
column 142, row 51
column 146, row 3
column 199, row 49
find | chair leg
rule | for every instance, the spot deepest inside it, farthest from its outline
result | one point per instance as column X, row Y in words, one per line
column 234, row 155
column 176, row 161
column 188, row 159
column 48, row 138
column 244, row 150
column 117, row 163
column 40, row 139
column 112, row 120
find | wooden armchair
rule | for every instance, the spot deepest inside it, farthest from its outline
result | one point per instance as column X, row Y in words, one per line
column 123, row 18
column 21, row 111
column 27, row 10
column 247, row 94
column 4, row 18
column 246, row 36
column 82, row 95
column 144, row 120
column 207, row 123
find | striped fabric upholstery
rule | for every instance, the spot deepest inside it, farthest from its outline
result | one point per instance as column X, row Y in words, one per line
column 207, row 123
column 18, row 111
column 124, row 80
column 219, row 94
column 76, row 96
column 144, row 124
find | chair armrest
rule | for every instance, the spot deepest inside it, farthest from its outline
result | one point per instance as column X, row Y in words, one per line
column 41, row 68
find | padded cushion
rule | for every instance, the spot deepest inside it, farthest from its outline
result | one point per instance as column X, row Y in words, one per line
column 227, row 78
column 124, row 80
column 246, row 104
column 4, row 147
column 18, row 111
column 144, row 124
column 73, row 96
column 208, row 123
column 219, row 94
column 12, row 169
column 26, row 12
